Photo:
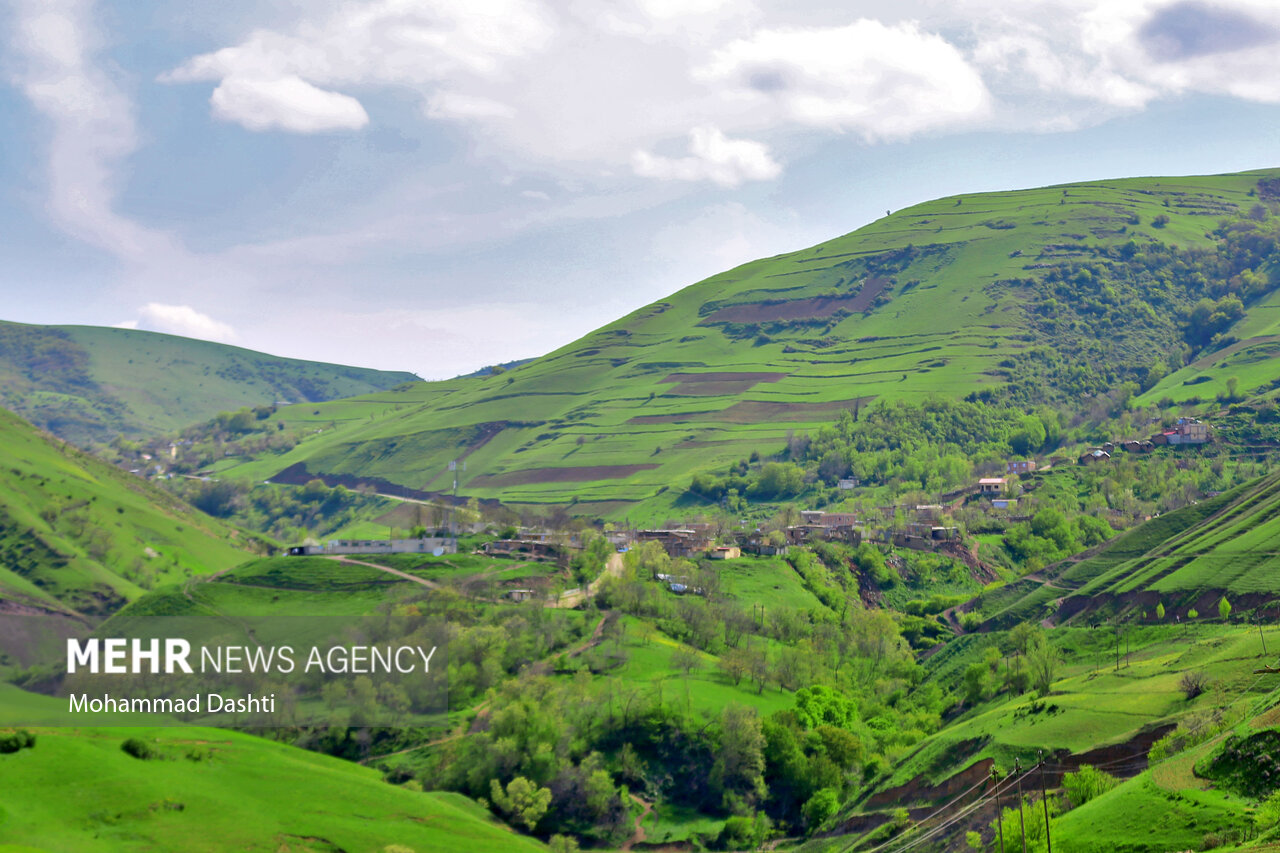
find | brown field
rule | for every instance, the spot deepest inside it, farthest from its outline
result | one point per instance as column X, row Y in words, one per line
column 580, row 474
column 717, row 384
column 756, row 411
column 801, row 309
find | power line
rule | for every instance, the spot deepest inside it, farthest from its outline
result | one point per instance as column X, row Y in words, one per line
column 1008, row 782
column 1129, row 762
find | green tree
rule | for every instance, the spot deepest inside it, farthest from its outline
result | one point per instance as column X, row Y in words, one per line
column 1224, row 609
column 739, row 766
column 777, row 480
column 820, row 808
column 563, row 844
column 1160, row 611
column 976, row 679
column 1042, row 661
column 522, row 800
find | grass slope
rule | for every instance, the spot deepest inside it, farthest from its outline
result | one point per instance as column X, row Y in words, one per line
column 1189, row 558
column 88, row 383
column 929, row 300
column 80, row 537
column 77, row 790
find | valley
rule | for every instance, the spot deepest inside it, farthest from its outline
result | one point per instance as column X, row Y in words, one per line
column 829, row 552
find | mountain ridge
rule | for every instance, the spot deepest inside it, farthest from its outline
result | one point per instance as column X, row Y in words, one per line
column 89, row 384
column 1048, row 294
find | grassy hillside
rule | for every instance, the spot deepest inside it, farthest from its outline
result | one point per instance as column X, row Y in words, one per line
column 1035, row 296
column 212, row 789
column 80, row 537
column 88, row 383
column 1184, row 560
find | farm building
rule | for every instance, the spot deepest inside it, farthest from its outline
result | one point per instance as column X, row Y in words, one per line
column 927, row 512
column 725, row 552
column 678, row 542
column 523, row 547
column 1004, row 503
column 427, row 545
column 1185, row 431
column 991, row 485
column 519, row 594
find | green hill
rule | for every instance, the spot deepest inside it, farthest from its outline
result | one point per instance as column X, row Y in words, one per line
column 1186, row 559
column 213, row 789
column 80, row 537
column 88, row 383
column 1035, row 296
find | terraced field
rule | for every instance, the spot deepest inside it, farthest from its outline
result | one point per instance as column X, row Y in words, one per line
column 1187, row 559
column 928, row 301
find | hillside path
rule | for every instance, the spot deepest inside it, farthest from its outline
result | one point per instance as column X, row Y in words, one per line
column 639, row 835
column 574, row 597
column 423, row 581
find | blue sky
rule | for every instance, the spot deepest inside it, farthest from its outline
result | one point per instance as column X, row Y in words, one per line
column 434, row 186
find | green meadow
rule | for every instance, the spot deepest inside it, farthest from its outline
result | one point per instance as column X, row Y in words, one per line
column 80, row 537
column 214, row 789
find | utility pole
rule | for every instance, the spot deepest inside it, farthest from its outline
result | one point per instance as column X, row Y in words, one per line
column 1117, row 642
column 1044, row 798
column 1017, row 768
column 1262, row 636
column 999, row 807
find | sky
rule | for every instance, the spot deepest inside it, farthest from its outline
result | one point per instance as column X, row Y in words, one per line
column 439, row 185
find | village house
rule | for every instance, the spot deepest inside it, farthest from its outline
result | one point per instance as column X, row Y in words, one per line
column 725, row 552
column 928, row 512
column 758, row 543
column 678, row 542
column 847, row 483
column 519, row 594
column 991, row 486
column 799, row 534
column 1185, row 431
column 1019, row 466
column 1095, row 455
column 427, row 545
column 1004, row 503
column 522, row 547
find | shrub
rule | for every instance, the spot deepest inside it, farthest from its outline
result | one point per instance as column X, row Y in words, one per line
column 820, row 808
column 1268, row 813
column 1086, row 783
column 14, row 741
column 139, row 749
column 1193, row 683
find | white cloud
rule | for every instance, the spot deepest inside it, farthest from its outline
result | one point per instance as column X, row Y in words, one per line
column 1057, row 64
column 881, row 81
column 285, row 80
column 449, row 105
column 180, row 320
column 713, row 157
column 285, row 103
column 53, row 46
